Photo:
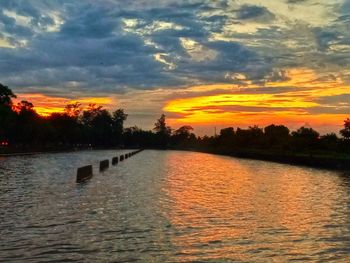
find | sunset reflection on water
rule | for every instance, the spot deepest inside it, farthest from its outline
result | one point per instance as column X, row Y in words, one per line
column 245, row 210
column 171, row 206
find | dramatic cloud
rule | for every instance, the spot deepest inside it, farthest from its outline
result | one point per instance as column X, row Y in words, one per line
column 288, row 57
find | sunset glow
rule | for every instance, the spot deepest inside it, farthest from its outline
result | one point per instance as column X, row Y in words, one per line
column 45, row 105
column 296, row 100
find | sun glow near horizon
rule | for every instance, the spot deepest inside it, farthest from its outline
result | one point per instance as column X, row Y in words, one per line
column 298, row 99
column 45, row 105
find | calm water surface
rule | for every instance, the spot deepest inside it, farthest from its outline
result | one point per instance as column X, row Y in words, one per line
column 169, row 206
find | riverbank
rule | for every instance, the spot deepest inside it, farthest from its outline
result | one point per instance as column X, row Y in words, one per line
column 66, row 150
column 330, row 161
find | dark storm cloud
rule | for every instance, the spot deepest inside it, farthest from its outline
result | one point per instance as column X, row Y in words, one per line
column 24, row 8
column 8, row 25
column 232, row 57
column 37, row 18
column 324, row 38
column 252, row 12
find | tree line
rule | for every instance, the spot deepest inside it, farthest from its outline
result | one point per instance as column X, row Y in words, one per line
column 23, row 129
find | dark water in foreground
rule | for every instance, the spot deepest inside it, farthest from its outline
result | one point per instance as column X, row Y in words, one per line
column 168, row 206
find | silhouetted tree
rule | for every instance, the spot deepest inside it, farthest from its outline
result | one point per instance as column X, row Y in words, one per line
column 161, row 127
column 346, row 131
column 98, row 124
column 249, row 138
column 7, row 122
column 136, row 137
column 305, row 138
column 7, row 115
column 6, row 95
column 227, row 132
column 277, row 136
column 307, row 133
column 183, row 136
column 184, row 131
column 118, row 118
column 28, row 124
column 329, row 141
column 73, row 109
column 226, row 138
column 163, row 131
column 66, row 129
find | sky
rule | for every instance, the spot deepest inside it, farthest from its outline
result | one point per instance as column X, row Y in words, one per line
column 203, row 63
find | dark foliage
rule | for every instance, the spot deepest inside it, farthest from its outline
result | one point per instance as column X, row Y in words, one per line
column 346, row 131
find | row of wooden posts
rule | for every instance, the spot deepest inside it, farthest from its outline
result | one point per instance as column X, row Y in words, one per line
column 85, row 173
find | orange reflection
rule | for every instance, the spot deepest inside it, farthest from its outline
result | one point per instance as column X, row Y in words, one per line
column 221, row 206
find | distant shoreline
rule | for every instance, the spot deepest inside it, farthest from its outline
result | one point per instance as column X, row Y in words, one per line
column 316, row 161
column 25, row 153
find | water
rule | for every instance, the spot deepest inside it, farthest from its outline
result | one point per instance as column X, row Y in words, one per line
column 169, row 206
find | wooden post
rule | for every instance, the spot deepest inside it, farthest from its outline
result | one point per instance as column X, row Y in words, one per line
column 115, row 160
column 104, row 165
column 84, row 173
column 121, row 158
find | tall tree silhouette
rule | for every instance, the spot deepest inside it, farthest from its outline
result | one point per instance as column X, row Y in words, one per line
column 98, row 124
column 305, row 138
column 7, row 116
column 277, row 136
column 28, row 124
column 118, row 118
column 6, row 95
column 163, row 131
column 73, row 109
column 346, row 131
column 183, row 136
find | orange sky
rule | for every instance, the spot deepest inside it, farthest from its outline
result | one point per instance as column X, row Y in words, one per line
column 303, row 102
column 45, row 105
column 223, row 105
